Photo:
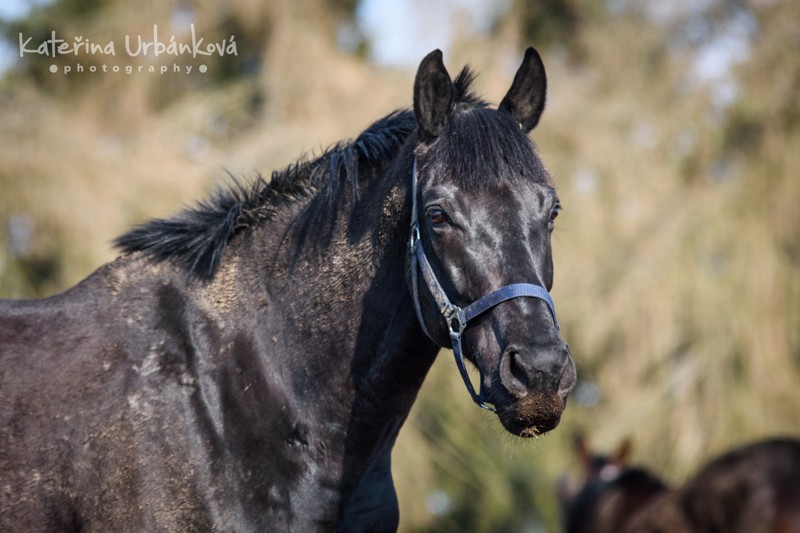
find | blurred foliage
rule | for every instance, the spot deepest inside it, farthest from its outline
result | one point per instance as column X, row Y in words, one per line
column 677, row 255
column 547, row 22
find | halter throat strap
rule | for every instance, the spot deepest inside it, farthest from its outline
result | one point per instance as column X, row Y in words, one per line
column 458, row 318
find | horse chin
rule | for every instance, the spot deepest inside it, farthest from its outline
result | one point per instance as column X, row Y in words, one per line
column 532, row 415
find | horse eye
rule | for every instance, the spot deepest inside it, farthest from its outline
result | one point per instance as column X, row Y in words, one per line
column 437, row 216
column 554, row 215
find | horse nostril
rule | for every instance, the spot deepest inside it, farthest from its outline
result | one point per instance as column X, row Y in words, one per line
column 518, row 368
column 516, row 374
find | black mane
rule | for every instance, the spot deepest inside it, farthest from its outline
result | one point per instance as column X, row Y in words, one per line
column 197, row 236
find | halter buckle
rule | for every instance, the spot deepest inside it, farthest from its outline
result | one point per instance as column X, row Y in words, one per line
column 456, row 320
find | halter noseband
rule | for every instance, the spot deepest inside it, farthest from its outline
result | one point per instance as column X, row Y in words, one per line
column 456, row 317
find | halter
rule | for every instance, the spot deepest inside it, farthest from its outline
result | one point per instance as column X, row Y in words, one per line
column 456, row 317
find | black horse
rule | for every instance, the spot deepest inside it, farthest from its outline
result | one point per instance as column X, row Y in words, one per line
column 246, row 365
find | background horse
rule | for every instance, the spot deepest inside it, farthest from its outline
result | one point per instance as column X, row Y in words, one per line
column 752, row 489
column 247, row 363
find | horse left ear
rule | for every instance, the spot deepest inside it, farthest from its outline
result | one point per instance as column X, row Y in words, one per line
column 526, row 97
column 584, row 453
column 433, row 95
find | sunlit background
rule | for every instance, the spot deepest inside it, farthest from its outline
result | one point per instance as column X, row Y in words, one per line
column 672, row 131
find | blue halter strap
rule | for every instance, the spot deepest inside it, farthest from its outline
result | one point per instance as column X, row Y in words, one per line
column 458, row 318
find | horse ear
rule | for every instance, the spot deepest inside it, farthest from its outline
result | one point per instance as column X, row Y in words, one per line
column 623, row 453
column 583, row 452
column 433, row 95
column 526, row 97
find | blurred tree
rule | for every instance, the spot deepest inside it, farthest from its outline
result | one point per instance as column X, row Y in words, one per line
column 557, row 22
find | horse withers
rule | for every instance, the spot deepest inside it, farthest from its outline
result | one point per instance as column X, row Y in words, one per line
column 246, row 364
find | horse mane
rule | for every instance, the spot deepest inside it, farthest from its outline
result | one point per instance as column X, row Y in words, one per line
column 196, row 236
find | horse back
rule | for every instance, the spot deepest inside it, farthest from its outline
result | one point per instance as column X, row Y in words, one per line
column 751, row 489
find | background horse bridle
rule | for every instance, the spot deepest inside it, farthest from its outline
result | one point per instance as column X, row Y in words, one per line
column 458, row 318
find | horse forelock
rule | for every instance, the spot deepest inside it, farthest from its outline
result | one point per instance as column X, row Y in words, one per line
column 481, row 147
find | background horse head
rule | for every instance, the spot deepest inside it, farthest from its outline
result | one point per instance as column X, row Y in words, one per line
column 611, row 491
column 248, row 362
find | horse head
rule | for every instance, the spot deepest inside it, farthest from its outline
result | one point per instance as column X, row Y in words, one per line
column 610, row 494
column 484, row 208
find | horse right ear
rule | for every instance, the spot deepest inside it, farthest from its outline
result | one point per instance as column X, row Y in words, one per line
column 433, row 95
column 526, row 97
column 623, row 453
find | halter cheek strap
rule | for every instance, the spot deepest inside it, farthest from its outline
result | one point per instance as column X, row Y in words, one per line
column 456, row 317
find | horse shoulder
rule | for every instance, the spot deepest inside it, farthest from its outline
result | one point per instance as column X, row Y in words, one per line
column 98, row 391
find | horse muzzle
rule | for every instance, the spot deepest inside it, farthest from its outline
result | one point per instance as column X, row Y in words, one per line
column 531, row 392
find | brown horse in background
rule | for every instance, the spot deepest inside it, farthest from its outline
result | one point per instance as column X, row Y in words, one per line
column 751, row 489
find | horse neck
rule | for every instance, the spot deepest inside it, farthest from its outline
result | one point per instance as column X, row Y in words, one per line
column 338, row 276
